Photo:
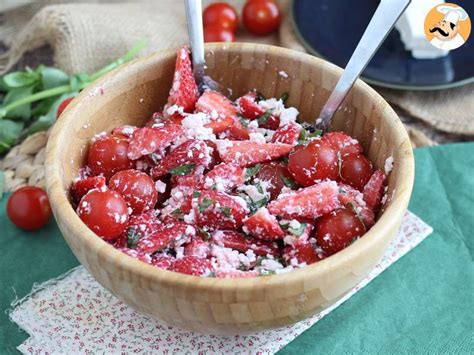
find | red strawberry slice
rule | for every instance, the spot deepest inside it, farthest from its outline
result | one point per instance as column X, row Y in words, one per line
column 247, row 153
column 198, row 247
column 354, row 200
column 80, row 187
column 238, row 131
column 263, row 225
column 311, row 202
column 192, row 265
column 224, row 177
column 147, row 140
column 173, row 234
column 343, row 143
column 125, row 131
column 240, row 242
column 374, row 189
column 219, row 108
column 305, row 233
column 235, row 274
column 143, row 224
column 250, row 109
column 192, row 152
column 137, row 254
column 303, row 252
column 287, row 134
column 162, row 261
column 184, row 91
column 218, row 210
column 189, row 181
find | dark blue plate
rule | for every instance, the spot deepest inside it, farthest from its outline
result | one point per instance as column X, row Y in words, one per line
column 331, row 29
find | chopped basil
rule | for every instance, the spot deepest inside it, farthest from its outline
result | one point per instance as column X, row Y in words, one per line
column 182, row 170
column 177, row 213
column 205, row 203
column 288, row 182
column 353, row 207
column 196, row 194
column 204, row 233
column 264, row 118
column 260, row 96
column 244, row 122
column 305, row 136
column 295, row 231
column 226, row 211
column 242, row 267
column 132, row 238
column 284, row 97
column 251, row 172
column 285, row 160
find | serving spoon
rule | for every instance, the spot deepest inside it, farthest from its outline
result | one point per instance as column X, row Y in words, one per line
column 382, row 22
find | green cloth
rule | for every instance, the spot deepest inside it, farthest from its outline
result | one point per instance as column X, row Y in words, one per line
column 421, row 304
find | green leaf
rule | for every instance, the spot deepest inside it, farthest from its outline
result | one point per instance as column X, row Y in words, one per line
column 295, row 231
column 244, row 122
column 182, row 170
column 53, row 77
column 9, row 133
column 251, row 172
column 132, row 238
column 353, row 207
column 43, row 107
column 264, row 118
column 205, row 203
column 23, row 111
column 20, row 79
column 204, row 233
column 226, row 211
column 305, row 136
column 284, row 97
column 45, row 121
column 2, row 183
column 196, row 194
column 288, row 182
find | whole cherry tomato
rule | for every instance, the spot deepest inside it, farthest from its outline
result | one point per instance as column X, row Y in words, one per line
column 275, row 176
column 217, row 34
column 221, row 15
column 104, row 212
column 28, row 208
column 316, row 161
column 261, row 17
column 336, row 230
column 108, row 155
column 137, row 189
column 356, row 170
column 62, row 106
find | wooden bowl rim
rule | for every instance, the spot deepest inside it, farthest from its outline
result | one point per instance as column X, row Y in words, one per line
column 391, row 216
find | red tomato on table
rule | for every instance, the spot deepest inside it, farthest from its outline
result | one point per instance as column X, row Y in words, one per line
column 220, row 15
column 261, row 17
column 28, row 208
column 217, row 34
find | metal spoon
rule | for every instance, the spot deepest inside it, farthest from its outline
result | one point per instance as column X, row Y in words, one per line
column 379, row 27
column 196, row 41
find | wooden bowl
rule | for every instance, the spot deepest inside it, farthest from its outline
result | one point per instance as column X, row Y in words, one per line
column 132, row 93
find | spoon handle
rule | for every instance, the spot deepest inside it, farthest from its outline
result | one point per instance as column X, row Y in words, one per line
column 379, row 27
column 196, row 37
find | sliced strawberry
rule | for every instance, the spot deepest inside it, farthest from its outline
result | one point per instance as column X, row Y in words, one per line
column 80, row 187
column 192, row 152
column 173, row 234
column 192, row 265
column 125, row 131
column 287, row 134
column 303, row 252
column 250, row 109
column 215, row 158
column 198, row 247
column 189, row 181
column 162, row 261
column 311, row 202
column 298, row 233
column 137, row 254
column 218, row 210
column 235, row 274
column 240, row 242
column 263, row 225
column 219, row 108
column 343, row 143
column 219, row 125
column 142, row 225
column 354, row 200
column 374, row 189
column 238, row 131
column 184, row 91
column 147, row 140
column 224, row 177
column 247, row 153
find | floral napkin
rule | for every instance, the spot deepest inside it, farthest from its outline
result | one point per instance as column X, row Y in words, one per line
column 74, row 314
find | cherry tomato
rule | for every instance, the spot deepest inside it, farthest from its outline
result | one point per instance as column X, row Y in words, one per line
column 221, row 15
column 28, row 208
column 108, row 155
column 336, row 230
column 62, row 106
column 356, row 170
column 104, row 212
column 276, row 176
column 137, row 189
column 316, row 161
column 261, row 17
column 217, row 34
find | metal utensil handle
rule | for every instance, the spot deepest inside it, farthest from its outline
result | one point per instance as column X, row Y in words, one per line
column 196, row 36
column 379, row 27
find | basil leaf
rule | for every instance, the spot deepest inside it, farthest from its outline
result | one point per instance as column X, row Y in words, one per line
column 260, row 97
column 205, row 203
column 204, row 233
column 53, row 77
column 316, row 133
column 353, row 207
column 24, row 111
column 284, row 97
column 264, row 118
column 45, row 121
column 226, row 211
column 244, row 122
column 9, row 133
column 196, row 194
column 297, row 231
column 132, row 238
column 288, row 182
column 20, row 79
column 251, row 172
column 182, row 170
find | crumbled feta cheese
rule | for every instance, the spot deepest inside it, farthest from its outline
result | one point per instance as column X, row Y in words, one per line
column 388, row 166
